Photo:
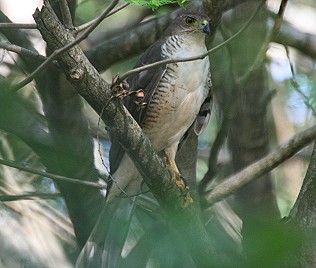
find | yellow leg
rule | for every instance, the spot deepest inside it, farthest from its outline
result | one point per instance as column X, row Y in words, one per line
column 176, row 177
column 174, row 172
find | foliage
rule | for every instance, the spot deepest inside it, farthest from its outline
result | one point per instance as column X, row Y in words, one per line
column 153, row 4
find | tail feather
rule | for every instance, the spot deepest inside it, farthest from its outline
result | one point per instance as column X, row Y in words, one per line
column 104, row 248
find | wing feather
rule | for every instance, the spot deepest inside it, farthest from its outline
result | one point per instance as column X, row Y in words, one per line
column 204, row 114
column 147, row 81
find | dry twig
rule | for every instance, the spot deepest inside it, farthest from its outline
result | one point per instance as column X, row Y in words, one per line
column 262, row 166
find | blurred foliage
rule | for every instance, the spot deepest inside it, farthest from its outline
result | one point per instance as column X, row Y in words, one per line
column 301, row 91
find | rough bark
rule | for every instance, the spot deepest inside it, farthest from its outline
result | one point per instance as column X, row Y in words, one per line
column 303, row 218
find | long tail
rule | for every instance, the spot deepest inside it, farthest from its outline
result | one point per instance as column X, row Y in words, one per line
column 104, row 247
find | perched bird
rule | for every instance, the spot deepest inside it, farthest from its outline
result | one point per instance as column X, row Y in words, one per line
column 176, row 97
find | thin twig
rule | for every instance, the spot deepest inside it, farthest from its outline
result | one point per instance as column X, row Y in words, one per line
column 262, row 166
column 198, row 57
column 101, row 157
column 67, row 19
column 50, row 175
column 8, row 25
column 57, row 52
column 296, row 85
column 28, row 196
column 89, row 23
column 262, row 53
column 22, row 51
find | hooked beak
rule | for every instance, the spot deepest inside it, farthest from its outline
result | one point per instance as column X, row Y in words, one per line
column 205, row 27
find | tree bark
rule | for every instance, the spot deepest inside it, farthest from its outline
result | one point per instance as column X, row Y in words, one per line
column 303, row 218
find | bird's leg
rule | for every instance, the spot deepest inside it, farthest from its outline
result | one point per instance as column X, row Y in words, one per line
column 175, row 173
column 178, row 179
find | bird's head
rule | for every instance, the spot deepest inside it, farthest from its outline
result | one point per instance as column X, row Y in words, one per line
column 192, row 23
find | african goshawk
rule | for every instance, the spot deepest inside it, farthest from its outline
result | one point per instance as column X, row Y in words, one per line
column 177, row 96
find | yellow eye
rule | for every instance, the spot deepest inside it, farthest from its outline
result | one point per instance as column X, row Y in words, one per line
column 190, row 20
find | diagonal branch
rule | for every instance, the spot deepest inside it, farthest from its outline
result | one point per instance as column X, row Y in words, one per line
column 89, row 23
column 264, row 165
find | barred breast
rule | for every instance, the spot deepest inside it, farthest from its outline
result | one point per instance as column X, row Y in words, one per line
column 179, row 94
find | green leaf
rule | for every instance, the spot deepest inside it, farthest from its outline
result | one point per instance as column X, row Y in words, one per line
column 153, row 4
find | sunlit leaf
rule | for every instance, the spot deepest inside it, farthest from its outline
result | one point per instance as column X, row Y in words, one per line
column 153, row 4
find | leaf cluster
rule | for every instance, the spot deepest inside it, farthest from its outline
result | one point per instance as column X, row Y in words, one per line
column 154, row 4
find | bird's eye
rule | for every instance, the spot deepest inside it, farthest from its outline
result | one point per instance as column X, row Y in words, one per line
column 190, row 20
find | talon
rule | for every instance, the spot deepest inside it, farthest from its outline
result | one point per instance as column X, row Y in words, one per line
column 185, row 182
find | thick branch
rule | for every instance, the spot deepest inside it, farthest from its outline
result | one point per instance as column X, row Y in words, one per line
column 291, row 36
column 264, row 165
column 303, row 218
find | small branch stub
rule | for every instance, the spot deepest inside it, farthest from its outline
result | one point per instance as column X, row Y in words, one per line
column 76, row 73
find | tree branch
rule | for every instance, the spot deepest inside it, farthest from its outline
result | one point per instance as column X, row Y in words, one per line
column 67, row 19
column 89, row 23
column 10, row 25
column 28, row 196
column 50, row 175
column 291, row 36
column 264, row 165
column 22, row 51
column 262, row 52
column 302, row 218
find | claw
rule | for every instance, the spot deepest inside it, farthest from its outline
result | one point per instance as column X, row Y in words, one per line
column 185, row 181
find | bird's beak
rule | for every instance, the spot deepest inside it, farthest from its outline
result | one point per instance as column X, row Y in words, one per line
column 205, row 27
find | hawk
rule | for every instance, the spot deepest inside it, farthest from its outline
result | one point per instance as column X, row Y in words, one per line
column 177, row 96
